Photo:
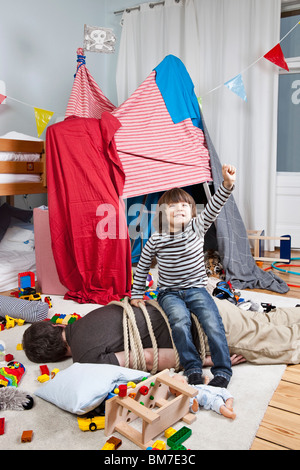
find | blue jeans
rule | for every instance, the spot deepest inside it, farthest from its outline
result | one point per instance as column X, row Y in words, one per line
column 178, row 305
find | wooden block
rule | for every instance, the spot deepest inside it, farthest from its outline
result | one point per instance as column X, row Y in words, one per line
column 147, row 415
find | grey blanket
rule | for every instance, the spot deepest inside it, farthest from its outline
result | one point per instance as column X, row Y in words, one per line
column 233, row 244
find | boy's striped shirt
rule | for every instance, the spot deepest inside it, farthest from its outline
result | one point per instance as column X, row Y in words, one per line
column 179, row 256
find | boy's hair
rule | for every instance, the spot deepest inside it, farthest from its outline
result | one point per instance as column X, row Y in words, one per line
column 174, row 195
column 43, row 342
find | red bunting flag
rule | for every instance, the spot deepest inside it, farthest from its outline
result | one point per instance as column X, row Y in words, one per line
column 276, row 56
column 2, row 98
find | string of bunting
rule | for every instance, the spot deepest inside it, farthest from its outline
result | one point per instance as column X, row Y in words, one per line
column 235, row 84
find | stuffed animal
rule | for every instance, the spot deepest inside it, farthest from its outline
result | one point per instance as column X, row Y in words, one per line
column 11, row 398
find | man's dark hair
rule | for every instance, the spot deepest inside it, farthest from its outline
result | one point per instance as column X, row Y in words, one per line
column 43, row 342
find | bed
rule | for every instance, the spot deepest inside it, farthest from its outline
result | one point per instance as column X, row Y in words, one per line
column 22, row 165
column 22, row 171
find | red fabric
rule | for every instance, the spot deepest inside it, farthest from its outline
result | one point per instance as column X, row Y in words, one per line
column 84, row 172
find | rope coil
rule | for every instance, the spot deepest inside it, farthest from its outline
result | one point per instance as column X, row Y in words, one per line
column 133, row 342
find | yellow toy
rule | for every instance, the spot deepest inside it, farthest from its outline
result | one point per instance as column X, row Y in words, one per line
column 11, row 322
column 43, row 378
column 159, row 445
column 91, row 424
column 54, row 372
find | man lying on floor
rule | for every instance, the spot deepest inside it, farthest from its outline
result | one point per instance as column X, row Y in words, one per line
column 260, row 338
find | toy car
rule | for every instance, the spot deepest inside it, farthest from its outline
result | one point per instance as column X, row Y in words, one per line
column 31, row 297
column 91, row 424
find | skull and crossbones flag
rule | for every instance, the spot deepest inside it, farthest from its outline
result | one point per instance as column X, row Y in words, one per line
column 98, row 39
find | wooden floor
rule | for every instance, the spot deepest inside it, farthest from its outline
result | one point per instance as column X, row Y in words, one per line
column 280, row 427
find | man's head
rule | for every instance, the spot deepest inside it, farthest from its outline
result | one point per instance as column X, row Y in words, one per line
column 44, row 342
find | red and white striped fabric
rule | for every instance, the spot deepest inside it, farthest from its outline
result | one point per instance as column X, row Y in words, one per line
column 156, row 154
column 87, row 99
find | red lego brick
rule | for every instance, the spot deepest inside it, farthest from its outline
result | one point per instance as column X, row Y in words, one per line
column 8, row 357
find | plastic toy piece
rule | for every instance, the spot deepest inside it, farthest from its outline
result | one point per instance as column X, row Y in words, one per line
column 108, row 446
column 27, row 436
column 26, row 279
column 2, row 425
column 12, row 373
column 10, row 322
column 159, row 445
column 8, row 357
column 30, row 297
column 91, row 424
column 144, row 390
column 122, row 390
column 178, row 437
column 54, row 372
column 131, row 384
column 47, row 299
column 169, row 432
column 112, row 443
column 19, row 347
column 64, row 319
column 44, row 370
column 43, row 378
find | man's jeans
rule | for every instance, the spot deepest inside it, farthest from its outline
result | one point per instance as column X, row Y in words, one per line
column 178, row 305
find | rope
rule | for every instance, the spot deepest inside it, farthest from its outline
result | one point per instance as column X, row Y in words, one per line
column 133, row 342
column 132, row 339
column 80, row 59
column 201, row 335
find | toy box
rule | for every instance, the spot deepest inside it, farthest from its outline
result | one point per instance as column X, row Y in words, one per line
column 46, row 272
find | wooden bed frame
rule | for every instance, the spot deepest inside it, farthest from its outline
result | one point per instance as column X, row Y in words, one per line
column 30, row 168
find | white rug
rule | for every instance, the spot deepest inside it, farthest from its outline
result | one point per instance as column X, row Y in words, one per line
column 54, row 429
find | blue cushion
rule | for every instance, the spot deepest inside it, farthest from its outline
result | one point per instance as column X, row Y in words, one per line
column 82, row 387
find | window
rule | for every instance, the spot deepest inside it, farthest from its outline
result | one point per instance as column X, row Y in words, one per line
column 288, row 146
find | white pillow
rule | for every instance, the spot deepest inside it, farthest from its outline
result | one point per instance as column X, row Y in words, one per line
column 17, row 238
column 82, row 387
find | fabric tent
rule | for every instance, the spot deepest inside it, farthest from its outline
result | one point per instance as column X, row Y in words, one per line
column 163, row 142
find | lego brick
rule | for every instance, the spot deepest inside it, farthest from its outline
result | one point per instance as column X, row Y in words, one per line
column 179, row 436
column 27, row 436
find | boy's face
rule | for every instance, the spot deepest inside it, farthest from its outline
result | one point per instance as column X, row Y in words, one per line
column 178, row 214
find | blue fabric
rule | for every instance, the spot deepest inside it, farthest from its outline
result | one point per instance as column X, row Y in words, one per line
column 177, row 90
column 134, row 205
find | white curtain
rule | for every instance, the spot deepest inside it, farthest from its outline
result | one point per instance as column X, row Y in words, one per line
column 217, row 40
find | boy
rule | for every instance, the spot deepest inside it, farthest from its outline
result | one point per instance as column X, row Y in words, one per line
column 178, row 247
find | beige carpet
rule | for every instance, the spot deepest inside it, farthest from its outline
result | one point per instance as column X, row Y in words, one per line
column 252, row 387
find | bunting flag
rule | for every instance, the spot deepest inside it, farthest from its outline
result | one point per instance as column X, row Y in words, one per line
column 236, row 85
column 42, row 117
column 276, row 56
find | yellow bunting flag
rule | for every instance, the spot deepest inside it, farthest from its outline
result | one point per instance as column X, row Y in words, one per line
column 42, row 117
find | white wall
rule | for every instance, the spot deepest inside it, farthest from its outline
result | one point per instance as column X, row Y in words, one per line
column 39, row 40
